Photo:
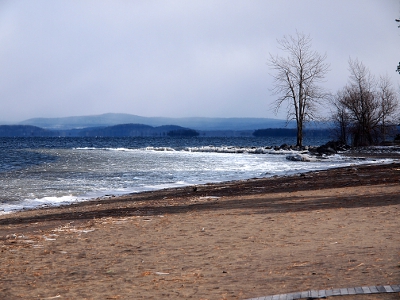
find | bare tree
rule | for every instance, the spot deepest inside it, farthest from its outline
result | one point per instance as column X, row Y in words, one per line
column 297, row 78
column 389, row 105
column 360, row 101
column 370, row 106
column 340, row 118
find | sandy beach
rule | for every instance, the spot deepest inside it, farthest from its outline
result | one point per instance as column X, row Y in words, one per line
column 234, row 240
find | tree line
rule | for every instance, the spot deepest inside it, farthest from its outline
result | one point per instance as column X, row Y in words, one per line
column 364, row 112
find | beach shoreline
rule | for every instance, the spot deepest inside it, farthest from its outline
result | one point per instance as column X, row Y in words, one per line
column 232, row 240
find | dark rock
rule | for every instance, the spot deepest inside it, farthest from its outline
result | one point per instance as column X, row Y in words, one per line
column 330, row 148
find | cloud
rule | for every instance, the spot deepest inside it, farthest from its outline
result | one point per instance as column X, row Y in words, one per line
column 175, row 58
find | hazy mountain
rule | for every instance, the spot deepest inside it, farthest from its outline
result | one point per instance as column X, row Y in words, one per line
column 24, row 131
column 197, row 123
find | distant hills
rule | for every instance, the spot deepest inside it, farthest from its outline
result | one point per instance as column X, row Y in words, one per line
column 196, row 123
column 24, row 131
column 125, row 125
column 141, row 130
column 122, row 130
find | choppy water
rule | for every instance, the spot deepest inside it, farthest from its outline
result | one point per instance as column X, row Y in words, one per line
column 51, row 171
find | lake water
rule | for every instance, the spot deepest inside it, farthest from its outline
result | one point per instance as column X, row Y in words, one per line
column 52, row 171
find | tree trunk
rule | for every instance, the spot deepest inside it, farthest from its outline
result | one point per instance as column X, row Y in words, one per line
column 299, row 134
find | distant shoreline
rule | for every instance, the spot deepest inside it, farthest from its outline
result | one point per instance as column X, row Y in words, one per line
column 142, row 130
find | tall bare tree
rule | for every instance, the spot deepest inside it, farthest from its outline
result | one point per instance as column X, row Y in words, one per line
column 296, row 80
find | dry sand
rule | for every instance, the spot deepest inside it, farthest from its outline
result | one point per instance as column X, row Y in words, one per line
column 236, row 240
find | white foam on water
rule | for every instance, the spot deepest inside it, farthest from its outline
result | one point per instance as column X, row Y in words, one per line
column 6, row 208
column 102, row 172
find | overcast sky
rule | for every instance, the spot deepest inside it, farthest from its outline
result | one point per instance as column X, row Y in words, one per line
column 176, row 58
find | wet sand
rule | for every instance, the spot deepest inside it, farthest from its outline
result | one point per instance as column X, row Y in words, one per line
column 235, row 240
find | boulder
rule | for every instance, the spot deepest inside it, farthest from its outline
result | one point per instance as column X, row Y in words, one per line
column 331, row 148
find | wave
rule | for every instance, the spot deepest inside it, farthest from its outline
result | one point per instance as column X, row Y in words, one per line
column 204, row 149
column 128, row 149
column 105, row 149
column 7, row 208
column 234, row 149
column 53, row 201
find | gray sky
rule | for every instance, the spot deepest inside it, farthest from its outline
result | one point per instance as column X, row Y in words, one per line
column 176, row 58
